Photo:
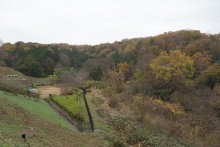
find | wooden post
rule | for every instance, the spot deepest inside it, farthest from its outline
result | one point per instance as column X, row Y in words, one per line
column 79, row 126
column 87, row 108
column 23, row 136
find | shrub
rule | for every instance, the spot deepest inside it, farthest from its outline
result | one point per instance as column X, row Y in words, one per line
column 93, row 84
column 71, row 104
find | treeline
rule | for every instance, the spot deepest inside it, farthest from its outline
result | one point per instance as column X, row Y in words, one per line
column 157, row 56
column 144, row 57
column 40, row 60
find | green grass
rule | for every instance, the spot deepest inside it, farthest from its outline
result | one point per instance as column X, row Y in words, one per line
column 9, row 71
column 41, row 81
column 39, row 108
column 70, row 104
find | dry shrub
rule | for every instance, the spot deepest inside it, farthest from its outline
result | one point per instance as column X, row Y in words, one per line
column 115, row 81
column 65, row 90
column 95, row 92
column 97, row 97
column 198, row 124
column 157, row 106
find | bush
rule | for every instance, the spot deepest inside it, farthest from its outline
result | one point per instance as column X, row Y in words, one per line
column 70, row 104
column 93, row 84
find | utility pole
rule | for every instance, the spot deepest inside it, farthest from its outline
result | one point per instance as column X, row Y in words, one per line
column 87, row 108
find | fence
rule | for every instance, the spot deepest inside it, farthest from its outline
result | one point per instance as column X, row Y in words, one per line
column 80, row 126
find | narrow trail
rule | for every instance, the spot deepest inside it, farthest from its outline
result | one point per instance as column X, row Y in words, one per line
column 76, row 125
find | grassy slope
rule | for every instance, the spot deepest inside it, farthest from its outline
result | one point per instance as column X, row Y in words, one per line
column 11, row 71
column 18, row 112
column 37, row 107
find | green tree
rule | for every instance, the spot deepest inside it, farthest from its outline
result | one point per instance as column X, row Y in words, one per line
column 53, row 79
column 48, row 66
column 96, row 73
column 117, row 58
column 32, row 68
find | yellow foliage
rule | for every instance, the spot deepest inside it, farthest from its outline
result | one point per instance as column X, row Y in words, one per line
column 174, row 109
column 9, row 47
column 123, row 68
column 139, row 76
column 176, row 63
column 129, row 48
column 154, row 50
column 140, row 98
column 158, row 101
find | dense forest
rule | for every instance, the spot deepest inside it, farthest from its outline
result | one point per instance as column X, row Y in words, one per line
column 170, row 82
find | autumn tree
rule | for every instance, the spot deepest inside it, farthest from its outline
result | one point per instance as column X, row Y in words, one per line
column 170, row 71
column 169, row 66
column 114, row 80
column 139, row 77
column 201, row 61
column 210, row 77
column 155, row 50
column 123, row 69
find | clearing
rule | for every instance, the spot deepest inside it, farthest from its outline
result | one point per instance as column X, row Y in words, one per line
column 44, row 91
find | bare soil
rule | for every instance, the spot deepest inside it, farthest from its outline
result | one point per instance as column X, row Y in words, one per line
column 44, row 91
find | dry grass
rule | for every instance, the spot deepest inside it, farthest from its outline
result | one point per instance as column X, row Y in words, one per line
column 8, row 71
column 44, row 91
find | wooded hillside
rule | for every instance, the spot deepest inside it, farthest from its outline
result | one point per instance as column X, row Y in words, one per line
column 168, row 83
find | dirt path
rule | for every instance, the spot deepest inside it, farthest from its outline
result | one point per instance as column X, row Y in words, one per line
column 44, row 91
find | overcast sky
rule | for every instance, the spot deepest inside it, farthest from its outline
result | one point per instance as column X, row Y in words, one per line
column 100, row 21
